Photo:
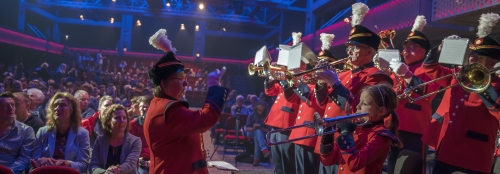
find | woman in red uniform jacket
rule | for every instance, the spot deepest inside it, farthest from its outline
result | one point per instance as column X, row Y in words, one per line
column 173, row 131
column 364, row 149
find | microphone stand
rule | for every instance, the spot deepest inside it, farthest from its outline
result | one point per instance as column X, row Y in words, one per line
column 237, row 132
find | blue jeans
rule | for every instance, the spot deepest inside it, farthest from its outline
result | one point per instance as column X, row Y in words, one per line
column 142, row 170
column 260, row 143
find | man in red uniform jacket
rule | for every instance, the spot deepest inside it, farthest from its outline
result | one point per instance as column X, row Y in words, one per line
column 306, row 160
column 414, row 117
column 469, row 120
column 282, row 115
column 173, row 131
column 336, row 100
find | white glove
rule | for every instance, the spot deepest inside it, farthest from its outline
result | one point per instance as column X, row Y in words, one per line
column 213, row 78
column 398, row 67
column 328, row 76
column 270, row 79
column 497, row 65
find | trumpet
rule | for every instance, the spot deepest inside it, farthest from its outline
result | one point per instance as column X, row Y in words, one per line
column 474, row 77
column 319, row 124
column 265, row 70
column 310, row 72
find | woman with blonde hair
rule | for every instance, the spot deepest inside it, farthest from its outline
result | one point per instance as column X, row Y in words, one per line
column 62, row 142
column 117, row 151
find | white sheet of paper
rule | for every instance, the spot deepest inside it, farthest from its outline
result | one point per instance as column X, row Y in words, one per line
column 222, row 165
column 261, row 56
column 305, row 53
column 454, row 51
column 283, row 55
column 294, row 59
column 386, row 55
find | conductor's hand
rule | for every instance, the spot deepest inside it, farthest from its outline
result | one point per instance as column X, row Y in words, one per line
column 213, row 78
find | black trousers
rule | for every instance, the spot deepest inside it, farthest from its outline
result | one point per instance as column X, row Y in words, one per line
column 411, row 141
column 306, row 161
column 283, row 154
column 443, row 168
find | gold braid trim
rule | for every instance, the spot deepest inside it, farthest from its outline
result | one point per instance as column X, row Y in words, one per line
column 360, row 35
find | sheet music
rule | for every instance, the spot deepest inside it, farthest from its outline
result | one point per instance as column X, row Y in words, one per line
column 283, row 55
column 261, row 55
column 386, row 55
column 454, row 51
column 222, row 165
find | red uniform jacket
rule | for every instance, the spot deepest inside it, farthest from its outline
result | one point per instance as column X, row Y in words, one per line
column 173, row 133
column 88, row 123
column 304, row 96
column 415, row 117
column 432, row 134
column 372, row 144
column 137, row 129
column 469, row 122
column 282, row 113
column 343, row 99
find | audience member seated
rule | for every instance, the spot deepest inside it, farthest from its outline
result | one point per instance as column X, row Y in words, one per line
column 253, row 100
column 93, row 124
column 63, row 142
column 22, row 112
column 16, row 138
column 83, row 98
column 37, row 97
column 239, row 108
column 136, row 128
column 134, row 110
column 255, row 125
column 117, row 151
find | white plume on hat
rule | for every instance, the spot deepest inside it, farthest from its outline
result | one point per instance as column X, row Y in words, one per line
column 326, row 40
column 160, row 41
column 296, row 37
column 419, row 24
column 359, row 11
column 486, row 22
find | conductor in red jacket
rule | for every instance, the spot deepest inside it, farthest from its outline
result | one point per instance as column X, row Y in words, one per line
column 173, row 131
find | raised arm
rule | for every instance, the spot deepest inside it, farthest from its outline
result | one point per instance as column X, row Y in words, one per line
column 271, row 88
column 434, row 69
column 181, row 121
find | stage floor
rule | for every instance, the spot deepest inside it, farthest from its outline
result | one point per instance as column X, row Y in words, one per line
column 244, row 168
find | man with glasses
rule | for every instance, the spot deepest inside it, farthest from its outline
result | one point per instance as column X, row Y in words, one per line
column 469, row 120
column 339, row 94
column 414, row 117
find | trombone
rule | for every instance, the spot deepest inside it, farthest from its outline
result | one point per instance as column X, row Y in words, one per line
column 319, row 125
column 474, row 77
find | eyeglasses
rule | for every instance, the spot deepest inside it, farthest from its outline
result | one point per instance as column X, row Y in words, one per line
column 355, row 48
